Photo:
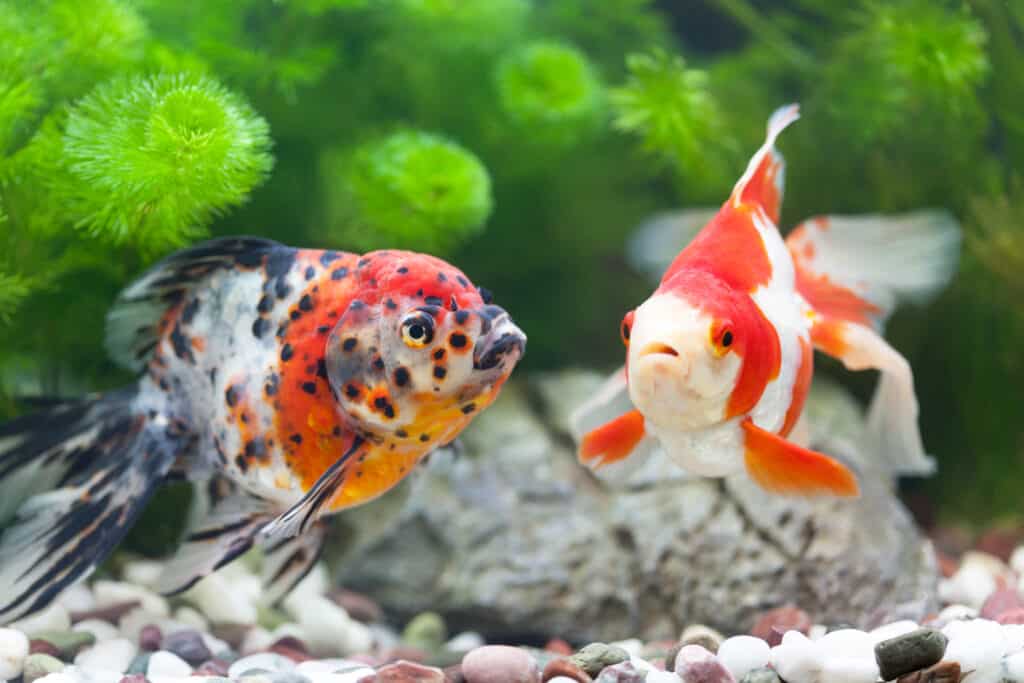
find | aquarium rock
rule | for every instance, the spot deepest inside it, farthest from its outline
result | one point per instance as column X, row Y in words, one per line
column 513, row 537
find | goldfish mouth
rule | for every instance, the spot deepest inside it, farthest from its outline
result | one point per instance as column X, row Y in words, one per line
column 502, row 340
column 658, row 348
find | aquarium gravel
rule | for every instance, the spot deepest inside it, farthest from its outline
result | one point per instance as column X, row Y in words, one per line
column 121, row 631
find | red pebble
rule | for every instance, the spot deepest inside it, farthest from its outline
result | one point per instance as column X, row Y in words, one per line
column 563, row 667
column 409, row 672
column 771, row 625
column 1001, row 601
column 1013, row 616
column 947, row 564
column 943, row 672
column 150, row 638
column 559, row 647
column 43, row 647
column 292, row 648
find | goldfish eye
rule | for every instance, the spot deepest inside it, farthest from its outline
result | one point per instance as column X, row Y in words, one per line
column 727, row 338
column 417, row 330
column 627, row 326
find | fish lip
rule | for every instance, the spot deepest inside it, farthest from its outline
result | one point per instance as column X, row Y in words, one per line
column 501, row 339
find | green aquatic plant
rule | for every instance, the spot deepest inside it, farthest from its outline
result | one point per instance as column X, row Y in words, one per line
column 410, row 188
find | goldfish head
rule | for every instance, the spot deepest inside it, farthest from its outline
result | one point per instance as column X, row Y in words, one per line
column 698, row 354
column 420, row 351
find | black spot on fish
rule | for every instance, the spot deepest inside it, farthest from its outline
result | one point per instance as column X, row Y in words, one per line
column 339, row 273
column 357, row 305
column 328, row 257
column 349, row 344
column 453, row 305
column 287, row 352
column 390, row 304
column 280, row 262
column 401, row 434
column 282, row 289
column 321, row 369
column 352, row 391
column 249, row 259
column 485, row 295
column 306, row 303
column 433, row 301
column 424, row 438
column 295, row 438
column 323, row 329
column 182, row 345
column 401, row 376
column 295, row 314
column 403, row 270
column 241, row 462
column 441, row 277
column 439, row 372
column 382, row 404
column 271, row 385
column 363, row 262
column 310, row 272
column 468, row 408
column 190, row 310
column 439, row 354
column 260, row 327
column 255, row 448
column 378, row 363
column 266, row 304
column 309, row 387
column 461, row 317
column 457, row 340
column 462, row 281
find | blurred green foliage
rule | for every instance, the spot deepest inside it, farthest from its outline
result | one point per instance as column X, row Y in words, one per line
column 523, row 140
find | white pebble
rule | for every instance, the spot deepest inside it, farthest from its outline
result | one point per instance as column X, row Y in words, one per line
column 846, row 642
column 164, row 663
column 970, row 585
column 313, row 584
column 221, row 601
column 465, row 641
column 130, row 625
column 795, row 659
column 77, row 598
column 655, row 676
column 213, row 643
column 327, row 666
column 849, row 670
column 328, row 630
column 561, row 679
column 953, row 613
column 13, row 651
column 632, row 646
column 817, row 631
column 107, row 655
column 976, row 645
column 145, row 573
column 741, row 654
column 103, row 630
column 642, row 665
column 1017, row 560
column 191, row 617
column 55, row 617
column 269, row 661
column 1013, row 637
column 109, row 593
column 59, row 677
column 287, row 629
column 347, row 677
column 1013, row 666
column 896, row 628
column 257, row 639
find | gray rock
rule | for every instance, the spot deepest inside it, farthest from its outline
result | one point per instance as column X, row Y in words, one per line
column 762, row 675
column 910, row 652
column 596, row 656
column 514, row 537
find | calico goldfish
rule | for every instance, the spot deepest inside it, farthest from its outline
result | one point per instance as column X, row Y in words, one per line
column 292, row 383
column 720, row 357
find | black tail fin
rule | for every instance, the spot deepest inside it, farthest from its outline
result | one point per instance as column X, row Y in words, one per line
column 73, row 479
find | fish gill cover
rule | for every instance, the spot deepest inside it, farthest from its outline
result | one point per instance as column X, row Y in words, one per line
column 524, row 140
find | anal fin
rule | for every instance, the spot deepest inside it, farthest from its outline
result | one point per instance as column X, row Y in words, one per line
column 783, row 467
column 286, row 561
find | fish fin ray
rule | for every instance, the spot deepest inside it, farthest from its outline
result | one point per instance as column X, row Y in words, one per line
column 288, row 560
column 783, row 467
column 892, row 414
column 858, row 268
column 613, row 441
column 132, row 325
column 763, row 182
column 100, row 469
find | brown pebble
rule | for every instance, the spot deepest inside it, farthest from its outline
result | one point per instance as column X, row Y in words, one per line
column 134, row 678
column 213, row 667
column 150, row 638
column 453, row 674
column 771, row 625
column 290, row 647
column 943, row 672
column 563, row 667
column 111, row 614
column 559, row 647
column 358, row 606
column 43, row 647
column 705, row 636
column 1000, row 602
column 408, row 672
column 1000, row 542
column 670, row 657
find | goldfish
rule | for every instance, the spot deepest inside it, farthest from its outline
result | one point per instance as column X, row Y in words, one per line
column 720, row 358
column 290, row 384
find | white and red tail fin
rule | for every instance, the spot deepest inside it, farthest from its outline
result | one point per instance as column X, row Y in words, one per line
column 764, row 180
column 857, row 268
column 853, row 271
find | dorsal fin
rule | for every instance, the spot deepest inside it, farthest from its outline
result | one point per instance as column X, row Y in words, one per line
column 132, row 323
column 764, row 180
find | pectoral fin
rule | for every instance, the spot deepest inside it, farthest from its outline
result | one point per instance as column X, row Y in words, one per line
column 613, row 441
column 783, row 467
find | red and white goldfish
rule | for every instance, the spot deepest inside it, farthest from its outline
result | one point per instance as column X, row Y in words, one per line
column 297, row 382
column 720, row 357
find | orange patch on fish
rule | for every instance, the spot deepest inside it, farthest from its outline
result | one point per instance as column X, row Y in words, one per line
column 612, row 441
column 783, row 467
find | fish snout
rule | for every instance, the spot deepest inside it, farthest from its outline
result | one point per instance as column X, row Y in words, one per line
column 501, row 341
column 655, row 348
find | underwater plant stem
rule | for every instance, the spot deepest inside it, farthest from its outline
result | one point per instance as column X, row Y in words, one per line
column 752, row 20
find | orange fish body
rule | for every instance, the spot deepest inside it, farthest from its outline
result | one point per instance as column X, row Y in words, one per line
column 297, row 382
column 720, row 357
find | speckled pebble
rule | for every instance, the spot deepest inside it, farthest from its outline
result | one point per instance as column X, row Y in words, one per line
column 909, row 652
column 564, row 668
column 594, row 657
column 761, row 675
column 705, row 636
column 409, row 672
column 696, row 664
column 623, row 672
column 188, row 645
column 770, row 626
column 500, row 664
